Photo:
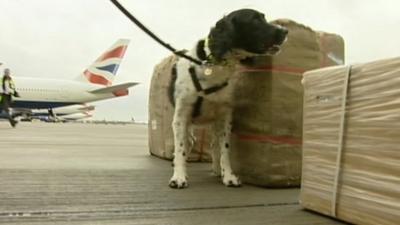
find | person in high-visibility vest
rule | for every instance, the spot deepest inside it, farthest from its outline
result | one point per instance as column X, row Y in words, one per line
column 7, row 89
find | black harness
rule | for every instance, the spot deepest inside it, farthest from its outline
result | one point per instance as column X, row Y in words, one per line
column 200, row 90
column 201, row 54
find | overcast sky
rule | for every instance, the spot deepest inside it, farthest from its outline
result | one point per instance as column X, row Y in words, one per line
column 60, row 38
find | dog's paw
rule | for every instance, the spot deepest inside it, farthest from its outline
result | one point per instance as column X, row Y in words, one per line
column 231, row 180
column 178, row 182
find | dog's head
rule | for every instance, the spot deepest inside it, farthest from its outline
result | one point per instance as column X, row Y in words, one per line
column 247, row 33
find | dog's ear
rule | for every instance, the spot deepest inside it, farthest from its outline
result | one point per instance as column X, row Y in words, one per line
column 221, row 38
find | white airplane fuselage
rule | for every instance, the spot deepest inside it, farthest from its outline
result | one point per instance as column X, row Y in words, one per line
column 38, row 93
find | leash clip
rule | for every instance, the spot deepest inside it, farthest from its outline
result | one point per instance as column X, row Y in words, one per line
column 208, row 70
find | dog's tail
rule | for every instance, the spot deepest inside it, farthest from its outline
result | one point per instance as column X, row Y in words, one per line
column 103, row 70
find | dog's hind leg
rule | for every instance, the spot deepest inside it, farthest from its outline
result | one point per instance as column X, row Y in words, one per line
column 191, row 140
column 180, row 128
column 223, row 131
column 216, row 156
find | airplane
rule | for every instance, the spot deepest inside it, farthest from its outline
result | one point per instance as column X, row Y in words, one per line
column 58, row 114
column 93, row 84
column 62, row 111
column 75, row 116
column 62, row 118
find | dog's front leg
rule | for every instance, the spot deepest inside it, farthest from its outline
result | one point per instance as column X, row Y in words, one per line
column 180, row 129
column 224, row 134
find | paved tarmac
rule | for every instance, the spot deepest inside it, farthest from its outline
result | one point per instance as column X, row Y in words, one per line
column 103, row 174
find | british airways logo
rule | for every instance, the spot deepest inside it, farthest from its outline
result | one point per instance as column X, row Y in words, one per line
column 104, row 69
column 109, row 68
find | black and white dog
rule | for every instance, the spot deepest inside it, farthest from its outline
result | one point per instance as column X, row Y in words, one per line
column 203, row 94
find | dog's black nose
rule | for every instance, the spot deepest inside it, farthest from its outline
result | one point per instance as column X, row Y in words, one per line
column 280, row 35
column 284, row 31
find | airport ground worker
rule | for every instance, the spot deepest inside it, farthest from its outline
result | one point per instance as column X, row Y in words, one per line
column 7, row 90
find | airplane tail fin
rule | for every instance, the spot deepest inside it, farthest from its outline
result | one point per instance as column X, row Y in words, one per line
column 103, row 70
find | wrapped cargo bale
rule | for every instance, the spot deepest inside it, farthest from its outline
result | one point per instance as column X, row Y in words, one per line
column 161, row 139
column 161, row 111
column 351, row 153
column 267, row 122
column 331, row 48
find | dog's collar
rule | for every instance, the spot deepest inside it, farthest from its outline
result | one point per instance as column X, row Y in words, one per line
column 209, row 56
column 204, row 53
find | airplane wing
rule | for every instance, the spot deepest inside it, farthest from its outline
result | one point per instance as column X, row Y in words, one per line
column 114, row 88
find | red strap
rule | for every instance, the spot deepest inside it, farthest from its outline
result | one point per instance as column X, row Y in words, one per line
column 271, row 139
column 284, row 69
